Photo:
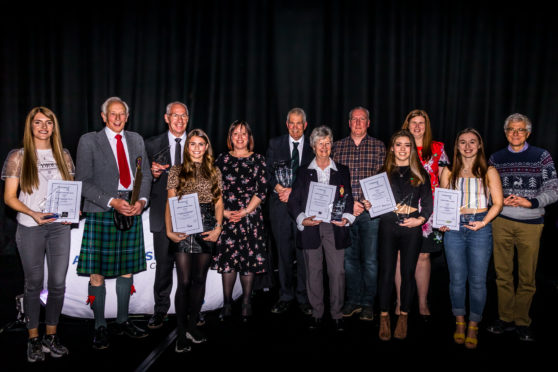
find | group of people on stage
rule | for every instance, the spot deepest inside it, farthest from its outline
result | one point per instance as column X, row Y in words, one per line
column 502, row 209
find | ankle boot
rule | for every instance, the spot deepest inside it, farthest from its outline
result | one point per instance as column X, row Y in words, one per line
column 401, row 327
column 385, row 328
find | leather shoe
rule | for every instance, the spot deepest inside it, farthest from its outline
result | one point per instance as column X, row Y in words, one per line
column 156, row 321
column 339, row 325
column 101, row 338
column 280, row 307
column 315, row 323
column 130, row 329
column 306, row 308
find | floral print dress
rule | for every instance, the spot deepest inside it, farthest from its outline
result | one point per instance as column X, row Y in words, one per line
column 241, row 246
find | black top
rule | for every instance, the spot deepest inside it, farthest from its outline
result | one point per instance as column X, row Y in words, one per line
column 405, row 193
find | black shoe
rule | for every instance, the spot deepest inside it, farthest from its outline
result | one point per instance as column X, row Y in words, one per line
column 499, row 327
column 525, row 333
column 35, row 350
column 339, row 325
column 101, row 338
column 195, row 335
column 226, row 312
column 51, row 344
column 246, row 313
column 367, row 314
column 130, row 329
column 315, row 323
column 156, row 321
column 280, row 307
column 182, row 346
column 350, row 309
column 305, row 308
column 201, row 319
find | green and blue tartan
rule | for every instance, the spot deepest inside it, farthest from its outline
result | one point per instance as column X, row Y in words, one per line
column 107, row 251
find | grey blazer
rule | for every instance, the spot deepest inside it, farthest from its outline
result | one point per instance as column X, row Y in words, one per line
column 97, row 169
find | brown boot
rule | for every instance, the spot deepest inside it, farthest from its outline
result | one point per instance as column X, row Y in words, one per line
column 385, row 328
column 401, row 327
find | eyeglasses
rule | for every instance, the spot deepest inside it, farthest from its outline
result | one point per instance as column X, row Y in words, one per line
column 516, row 130
column 176, row 116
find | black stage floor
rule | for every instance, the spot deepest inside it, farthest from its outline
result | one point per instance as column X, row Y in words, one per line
column 272, row 341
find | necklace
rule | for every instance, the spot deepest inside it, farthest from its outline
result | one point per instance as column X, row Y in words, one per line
column 404, row 172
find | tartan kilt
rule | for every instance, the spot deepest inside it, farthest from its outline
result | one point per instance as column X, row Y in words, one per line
column 107, row 251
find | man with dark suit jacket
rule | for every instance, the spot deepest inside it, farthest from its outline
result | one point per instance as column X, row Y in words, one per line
column 105, row 165
column 294, row 150
column 164, row 150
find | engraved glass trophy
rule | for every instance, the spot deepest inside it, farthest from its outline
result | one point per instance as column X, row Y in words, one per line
column 284, row 174
column 339, row 205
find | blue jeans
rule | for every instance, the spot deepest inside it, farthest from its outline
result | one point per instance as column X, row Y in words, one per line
column 468, row 255
column 361, row 261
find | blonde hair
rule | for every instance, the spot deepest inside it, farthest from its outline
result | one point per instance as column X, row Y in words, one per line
column 29, row 178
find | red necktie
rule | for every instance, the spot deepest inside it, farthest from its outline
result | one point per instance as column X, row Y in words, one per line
column 122, row 162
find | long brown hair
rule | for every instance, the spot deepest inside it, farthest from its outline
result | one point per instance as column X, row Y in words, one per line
column 426, row 152
column 480, row 166
column 29, row 178
column 246, row 126
column 187, row 175
column 417, row 171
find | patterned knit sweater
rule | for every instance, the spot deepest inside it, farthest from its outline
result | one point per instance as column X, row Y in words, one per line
column 531, row 174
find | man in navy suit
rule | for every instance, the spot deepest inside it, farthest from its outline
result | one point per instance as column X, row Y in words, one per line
column 293, row 150
column 164, row 150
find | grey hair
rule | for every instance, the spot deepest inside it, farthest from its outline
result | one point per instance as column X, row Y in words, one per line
column 359, row 108
column 297, row 111
column 320, row 132
column 111, row 100
column 168, row 109
column 515, row 118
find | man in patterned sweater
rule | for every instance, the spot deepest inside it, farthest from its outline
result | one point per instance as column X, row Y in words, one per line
column 529, row 183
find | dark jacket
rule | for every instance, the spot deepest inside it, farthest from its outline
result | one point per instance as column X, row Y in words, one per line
column 158, row 199
column 309, row 238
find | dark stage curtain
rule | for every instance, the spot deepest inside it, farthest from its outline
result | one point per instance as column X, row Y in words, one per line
column 467, row 63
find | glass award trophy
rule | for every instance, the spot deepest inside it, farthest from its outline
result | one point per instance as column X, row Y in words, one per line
column 339, row 205
column 284, row 174
column 403, row 209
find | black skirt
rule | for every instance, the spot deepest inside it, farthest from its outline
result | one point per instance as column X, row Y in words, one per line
column 194, row 243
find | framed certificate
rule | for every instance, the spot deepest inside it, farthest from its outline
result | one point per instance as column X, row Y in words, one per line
column 63, row 199
column 446, row 208
column 377, row 191
column 320, row 201
column 186, row 214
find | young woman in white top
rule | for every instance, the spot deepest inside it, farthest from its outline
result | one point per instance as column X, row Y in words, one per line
column 29, row 169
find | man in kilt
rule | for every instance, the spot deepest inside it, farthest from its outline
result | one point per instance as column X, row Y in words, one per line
column 105, row 164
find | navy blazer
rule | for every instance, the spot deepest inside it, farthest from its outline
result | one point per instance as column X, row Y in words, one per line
column 158, row 199
column 309, row 238
column 278, row 151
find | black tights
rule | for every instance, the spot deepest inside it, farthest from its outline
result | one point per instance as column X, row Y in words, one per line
column 191, row 270
column 247, row 282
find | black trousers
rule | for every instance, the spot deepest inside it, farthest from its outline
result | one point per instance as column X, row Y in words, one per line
column 292, row 273
column 162, row 286
column 393, row 238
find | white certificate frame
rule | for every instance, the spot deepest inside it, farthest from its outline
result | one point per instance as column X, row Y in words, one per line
column 64, row 199
column 446, row 208
column 186, row 214
column 320, row 201
column 377, row 190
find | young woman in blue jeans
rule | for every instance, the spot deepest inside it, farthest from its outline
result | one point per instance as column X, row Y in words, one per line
column 468, row 250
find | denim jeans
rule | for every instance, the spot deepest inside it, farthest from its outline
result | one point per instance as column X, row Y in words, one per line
column 361, row 261
column 468, row 255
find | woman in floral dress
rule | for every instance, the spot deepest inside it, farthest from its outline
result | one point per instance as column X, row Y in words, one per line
column 241, row 246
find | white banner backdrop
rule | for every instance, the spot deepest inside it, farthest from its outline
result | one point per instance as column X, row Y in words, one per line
column 141, row 302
